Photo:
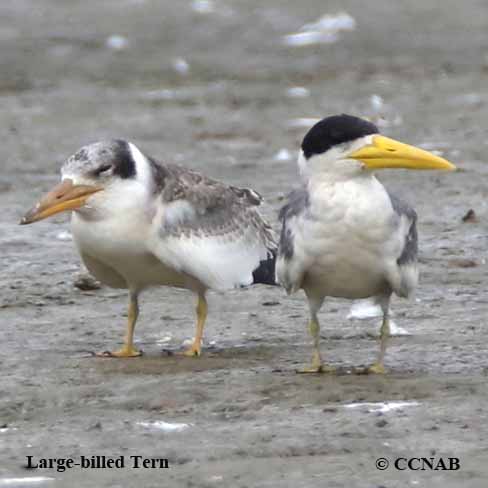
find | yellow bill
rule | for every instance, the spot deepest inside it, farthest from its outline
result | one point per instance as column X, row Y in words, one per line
column 65, row 196
column 384, row 152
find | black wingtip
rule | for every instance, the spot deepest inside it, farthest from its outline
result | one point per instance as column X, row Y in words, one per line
column 265, row 273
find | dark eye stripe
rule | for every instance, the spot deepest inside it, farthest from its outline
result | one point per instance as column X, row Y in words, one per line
column 124, row 164
column 102, row 169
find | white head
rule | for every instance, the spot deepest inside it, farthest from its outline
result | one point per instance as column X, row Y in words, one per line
column 107, row 176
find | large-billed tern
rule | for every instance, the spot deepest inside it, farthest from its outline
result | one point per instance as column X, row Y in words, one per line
column 139, row 224
column 343, row 233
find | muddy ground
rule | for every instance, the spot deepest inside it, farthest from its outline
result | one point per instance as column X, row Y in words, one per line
column 420, row 68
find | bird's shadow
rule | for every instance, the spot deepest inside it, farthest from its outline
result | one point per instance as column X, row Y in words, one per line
column 171, row 361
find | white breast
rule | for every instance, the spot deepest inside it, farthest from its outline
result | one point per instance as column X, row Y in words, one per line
column 349, row 241
column 116, row 235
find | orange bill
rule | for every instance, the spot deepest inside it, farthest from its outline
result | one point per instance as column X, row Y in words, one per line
column 65, row 196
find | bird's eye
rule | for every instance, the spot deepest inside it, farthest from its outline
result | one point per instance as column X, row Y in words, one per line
column 103, row 169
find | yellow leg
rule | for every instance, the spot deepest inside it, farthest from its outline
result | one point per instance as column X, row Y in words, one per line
column 195, row 348
column 317, row 366
column 378, row 366
column 127, row 350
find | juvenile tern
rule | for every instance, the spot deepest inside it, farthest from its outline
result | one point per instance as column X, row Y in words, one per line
column 343, row 233
column 139, row 224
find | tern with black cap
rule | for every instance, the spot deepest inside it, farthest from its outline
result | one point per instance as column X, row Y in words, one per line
column 343, row 233
column 139, row 224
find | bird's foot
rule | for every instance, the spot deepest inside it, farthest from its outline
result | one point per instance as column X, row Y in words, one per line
column 376, row 368
column 124, row 352
column 193, row 351
column 317, row 368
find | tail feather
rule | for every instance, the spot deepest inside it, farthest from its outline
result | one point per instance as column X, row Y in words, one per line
column 265, row 272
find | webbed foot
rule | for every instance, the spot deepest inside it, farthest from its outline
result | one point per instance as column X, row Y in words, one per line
column 124, row 352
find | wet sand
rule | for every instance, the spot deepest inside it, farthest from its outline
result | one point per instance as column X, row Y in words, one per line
column 420, row 69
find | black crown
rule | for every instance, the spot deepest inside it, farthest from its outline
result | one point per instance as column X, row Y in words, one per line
column 334, row 130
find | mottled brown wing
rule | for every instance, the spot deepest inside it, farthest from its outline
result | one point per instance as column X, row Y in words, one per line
column 211, row 231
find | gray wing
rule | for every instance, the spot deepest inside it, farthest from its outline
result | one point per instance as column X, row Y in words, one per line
column 298, row 202
column 212, row 231
column 407, row 260
column 290, row 266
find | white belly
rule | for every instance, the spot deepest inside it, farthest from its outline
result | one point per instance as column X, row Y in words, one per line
column 346, row 271
column 350, row 244
column 115, row 252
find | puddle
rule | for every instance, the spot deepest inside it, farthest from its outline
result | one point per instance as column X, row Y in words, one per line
column 282, row 155
column 382, row 407
column 64, row 236
column 117, row 42
column 367, row 309
column 396, row 330
column 24, row 481
column 164, row 426
column 181, row 66
column 203, row 6
column 303, row 122
column 323, row 31
column 364, row 309
column 166, row 339
column 297, row 92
